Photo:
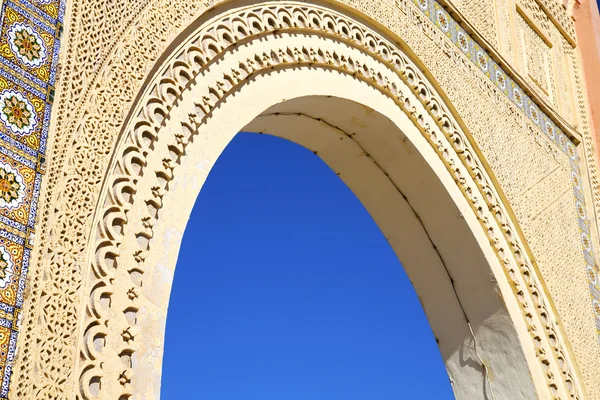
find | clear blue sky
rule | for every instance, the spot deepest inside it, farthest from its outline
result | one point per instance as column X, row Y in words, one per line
column 285, row 289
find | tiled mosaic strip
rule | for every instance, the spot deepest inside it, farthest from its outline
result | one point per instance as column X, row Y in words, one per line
column 29, row 47
column 465, row 43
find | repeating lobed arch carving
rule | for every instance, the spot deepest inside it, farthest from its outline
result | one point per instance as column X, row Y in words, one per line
column 388, row 69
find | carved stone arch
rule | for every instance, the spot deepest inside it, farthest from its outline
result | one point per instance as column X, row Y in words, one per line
column 234, row 53
column 177, row 121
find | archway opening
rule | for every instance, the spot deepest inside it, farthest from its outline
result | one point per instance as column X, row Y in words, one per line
column 297, row 293
column 404, row 158
column 335, row 82
column 407, row 191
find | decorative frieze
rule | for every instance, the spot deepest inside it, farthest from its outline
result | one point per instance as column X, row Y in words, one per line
column 29, row 44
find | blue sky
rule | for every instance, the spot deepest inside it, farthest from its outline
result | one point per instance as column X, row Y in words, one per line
column 285, row 289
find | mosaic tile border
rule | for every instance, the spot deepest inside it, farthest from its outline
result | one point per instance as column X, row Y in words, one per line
column 478, row 56
column 29, row 48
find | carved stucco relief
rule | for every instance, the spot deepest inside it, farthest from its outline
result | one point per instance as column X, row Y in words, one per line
column 482, row 14
column 104, row 67
column 546, row 58
column 506, row 45
column 536, row 57
column 563, row 56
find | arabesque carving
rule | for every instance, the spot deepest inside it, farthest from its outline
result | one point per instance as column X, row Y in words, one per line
column 536, row 58
column 387, row 70
column 65, row 278
column 481, row 13
column 560, row 17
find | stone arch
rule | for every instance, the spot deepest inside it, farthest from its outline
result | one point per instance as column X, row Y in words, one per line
column 370, row 158
column 217, row 61
column 236, row 55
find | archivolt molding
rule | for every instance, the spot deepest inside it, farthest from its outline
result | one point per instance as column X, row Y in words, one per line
column 384, row 67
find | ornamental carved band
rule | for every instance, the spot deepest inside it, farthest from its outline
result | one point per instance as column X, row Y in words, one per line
column 103, row 120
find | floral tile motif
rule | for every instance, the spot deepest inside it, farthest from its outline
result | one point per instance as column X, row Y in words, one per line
column 463, row 41
column 442, row 20
column 480, row 57
column 22, row 115
column 425, row 6
column 17, row 183
column 500, row 78
column 28, row 46
column 533, row 113
column 516, row 94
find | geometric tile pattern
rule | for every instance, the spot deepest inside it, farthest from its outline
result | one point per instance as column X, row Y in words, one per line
column 452, row 29
column 29, row 43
